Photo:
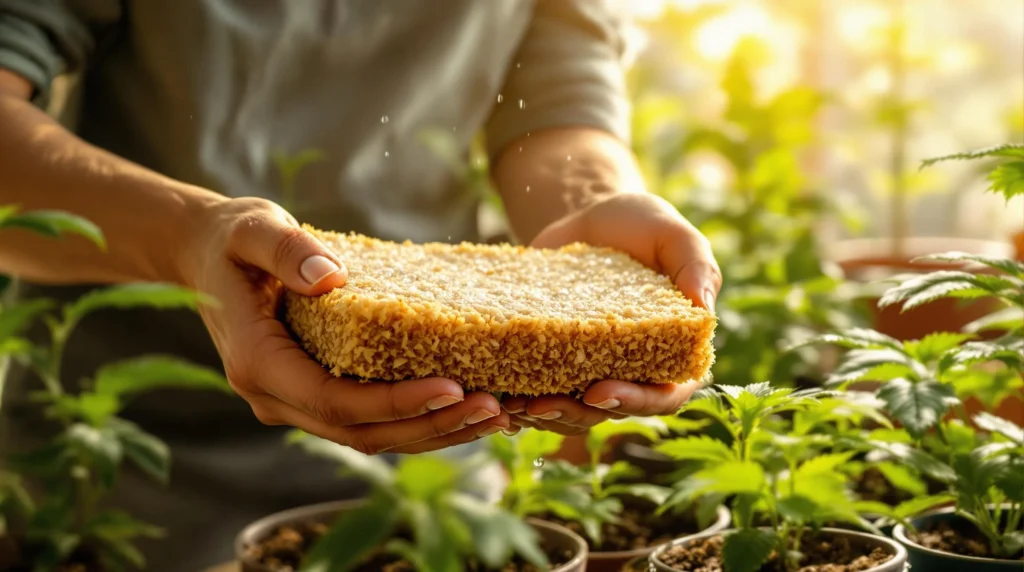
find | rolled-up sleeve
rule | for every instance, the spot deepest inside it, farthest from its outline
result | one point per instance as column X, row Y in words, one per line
column 569, row 71
column 42, row 39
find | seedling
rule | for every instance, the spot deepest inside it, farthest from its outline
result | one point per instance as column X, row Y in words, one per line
column 418, row 511
column 81, row 464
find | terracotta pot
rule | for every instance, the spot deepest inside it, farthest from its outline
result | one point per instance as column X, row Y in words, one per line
column 898, row 563
column 1018, row 244
column 922, row 558
column 870, row 260
column 617, row 561
column 554, row 535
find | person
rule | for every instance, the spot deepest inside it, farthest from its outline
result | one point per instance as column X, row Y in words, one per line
column 181, row 107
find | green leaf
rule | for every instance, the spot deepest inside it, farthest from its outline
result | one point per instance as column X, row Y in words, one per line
column 857, row 338
column 89, row 407
column 151, row 455
column 617, row 471
column 798, row 509
column 654, row 493
column 533, row 444
column 975, row 352
column 919, row 290
column 916, row 506
column 696, row 448
column 136, row 295
column 497, row 535
column 1005, row 319
column 1007, row 179
column 14, row 319
column 877, row 365
column 1007, row 265
column 352, row 536
column 747, row 549
column 55, row 223
column 425, row 477
column 373, row 470
column 147, row 373
column 101, row 446
column 118, row 525
column 1010, row 479
column 932, row 346
column 49, row 460
column 919, row 460
column 650, row 428
column 683, row 425
column 1005, row 150
column 917, row 406
column 731, row 477
column 902, row 478
column 14, row 497
column 1004, row 427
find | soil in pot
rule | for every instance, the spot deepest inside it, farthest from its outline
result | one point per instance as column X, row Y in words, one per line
column 284, row 549
column 638, row 528
column 822, row 553
column 957, row 537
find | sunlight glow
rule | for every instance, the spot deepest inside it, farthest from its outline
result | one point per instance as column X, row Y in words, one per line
column 717, row 39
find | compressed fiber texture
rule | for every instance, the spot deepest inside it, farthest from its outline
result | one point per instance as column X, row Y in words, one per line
column 501, row 318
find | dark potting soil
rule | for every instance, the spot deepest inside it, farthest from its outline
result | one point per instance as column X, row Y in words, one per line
column 15, row 556
column 957, row 538
column 871, row 485
column 283, row 551
column 822, row 553
column 636, row 529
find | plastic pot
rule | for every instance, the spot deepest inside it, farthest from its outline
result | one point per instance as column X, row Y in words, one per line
column 898, row 562
column 922, row 558
column 616, row 561
column 552, row 535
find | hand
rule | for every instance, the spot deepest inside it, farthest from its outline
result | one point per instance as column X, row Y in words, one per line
column 652, row 231
column 241, row 251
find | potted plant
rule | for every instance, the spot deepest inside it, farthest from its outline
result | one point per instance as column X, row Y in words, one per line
column 419, row 515
column 607, row 504
column 781, row 487
column 67, row 527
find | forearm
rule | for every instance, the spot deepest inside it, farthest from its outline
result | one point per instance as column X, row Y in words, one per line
column 144, row 216
column 555, row 172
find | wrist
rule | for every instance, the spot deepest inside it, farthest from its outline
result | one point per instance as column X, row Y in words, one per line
column 190, row 233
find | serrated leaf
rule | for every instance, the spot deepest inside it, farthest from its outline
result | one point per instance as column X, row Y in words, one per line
column 151, row 455
column 1004, row 150
column 917, row 406
column 974, row 352
column 498, row 535
column 798, row 509
column 916, row 506
column 1007, row 179
column 1005, row 319
column 747, row 549
column 373, row 470
column 932, row 346
column 650, row 428
column 918, row 290
column 55, row 223
column 101, row 446
column 731, row 477
column 136, row 295
column 696, row 448
column 1004, row 427
column 683, row 425
column 654, row 493
column 902, row 478
column 1007, row 265
column 918, row 459
column 14, row 319
column 876, row 364
column 147, row 373
column 425, row 477
column 352, row 536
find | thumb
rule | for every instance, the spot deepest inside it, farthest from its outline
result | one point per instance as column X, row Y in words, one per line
column 290, row 254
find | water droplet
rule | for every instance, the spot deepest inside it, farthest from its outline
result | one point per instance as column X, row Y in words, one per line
column 384, row 119
column 527, row 133
column 522, row 104
column 518, row 65
column 538, row 462
column 453, row 129
column 527, row 188
column 568, row 158
column 449, row 237
column 500, row 98
column 387, row 154
column 520, row 149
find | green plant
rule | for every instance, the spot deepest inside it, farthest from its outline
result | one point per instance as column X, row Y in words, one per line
column 418, row 511
column 1006, row 177
column 780, row 480
column 590, row 495
column 81, row 463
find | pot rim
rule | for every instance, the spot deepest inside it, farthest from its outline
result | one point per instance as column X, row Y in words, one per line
column 899, row 551
column 899, row 532
column 264, row 524
column 721, row 523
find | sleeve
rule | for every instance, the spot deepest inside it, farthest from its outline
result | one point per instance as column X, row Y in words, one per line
column 569, row 71
column 42, row 39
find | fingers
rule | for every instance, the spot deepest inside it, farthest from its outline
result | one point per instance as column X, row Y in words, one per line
column 640, row 400
column 500, row 423
column 552, row 426
column 277, row 246
column 566, row 411
column 686, row 255
column 279, row 367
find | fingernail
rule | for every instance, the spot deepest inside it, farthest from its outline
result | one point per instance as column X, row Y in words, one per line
column 478, row 416
column 549, row 416
column 511, row 431
column 442, row 402
column 517, row 409
column 709, row 300
column 607, row 404
column 316, row 268
column 489, row 430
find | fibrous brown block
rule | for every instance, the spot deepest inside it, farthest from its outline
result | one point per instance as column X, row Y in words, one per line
column 502, row 318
